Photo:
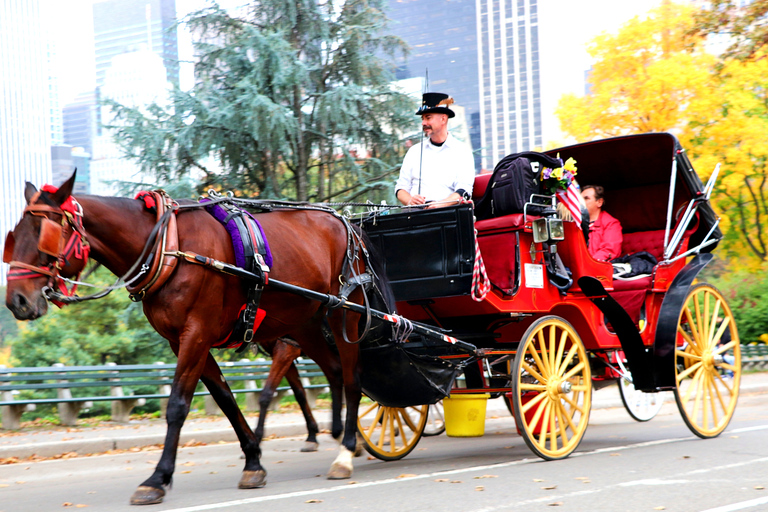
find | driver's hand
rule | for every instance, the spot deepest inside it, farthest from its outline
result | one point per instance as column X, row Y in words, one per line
column 417, row 199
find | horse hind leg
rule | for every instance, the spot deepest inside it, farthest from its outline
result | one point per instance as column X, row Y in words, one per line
column 254, row 475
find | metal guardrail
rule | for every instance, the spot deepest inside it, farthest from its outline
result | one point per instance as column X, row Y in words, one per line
column 73, row 388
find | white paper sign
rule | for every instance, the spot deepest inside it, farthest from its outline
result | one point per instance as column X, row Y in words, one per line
column 534, row 275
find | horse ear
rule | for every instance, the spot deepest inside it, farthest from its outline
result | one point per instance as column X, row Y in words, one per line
column 65, row 190
column 29, row 191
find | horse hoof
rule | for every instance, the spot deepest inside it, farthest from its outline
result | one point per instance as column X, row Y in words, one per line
column 310, row 447
column 253, row 479
column 146, row 495
column 339, row 472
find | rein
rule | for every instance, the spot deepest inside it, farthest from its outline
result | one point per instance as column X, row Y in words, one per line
column 148, row 270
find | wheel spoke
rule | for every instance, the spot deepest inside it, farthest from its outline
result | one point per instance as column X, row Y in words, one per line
column 561, row 422
column 539, row 363
column 407, row 417
column 573, row 404
column 687, row 355
column 697, row 399
column 391, row 432
column 545, row 424
column 539, row 411
column 568, row 358
column 384, row 421
column 545, row 369
column 573, row 371
column 401, row 427
column 685, row 336
column 531, row 403
column 713, row 322
column 533, row 373
column 723, row 382
column 695, row 343
column 552, row 349
column 705, row 400
column 705, row 320
column 567, row 417
column 724, row 348
column 553, row 433
column 368, row 410
column 688, row 371
column 714, row 393
column 560, row 349
column 524, row 386
column 376, row 420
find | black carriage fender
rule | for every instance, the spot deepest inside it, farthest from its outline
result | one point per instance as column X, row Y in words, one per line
column 666, row 327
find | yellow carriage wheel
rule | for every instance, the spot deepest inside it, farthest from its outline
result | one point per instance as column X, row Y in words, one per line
column 552, row 388
column 391, row 433
column 708, row 362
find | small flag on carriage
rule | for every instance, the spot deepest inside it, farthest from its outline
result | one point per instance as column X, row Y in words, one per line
column 571, row 198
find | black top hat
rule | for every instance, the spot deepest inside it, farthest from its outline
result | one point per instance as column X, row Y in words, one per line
column 435, row 103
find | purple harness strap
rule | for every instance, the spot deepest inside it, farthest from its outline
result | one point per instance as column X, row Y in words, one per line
column 237, row 241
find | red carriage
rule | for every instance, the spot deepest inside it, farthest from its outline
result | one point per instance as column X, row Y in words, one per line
column 548, row 333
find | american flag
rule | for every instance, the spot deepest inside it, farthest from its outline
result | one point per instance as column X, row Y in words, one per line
column 571, row 198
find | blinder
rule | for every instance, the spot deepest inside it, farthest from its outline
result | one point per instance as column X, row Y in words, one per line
column 50, row 237
column 10, row 242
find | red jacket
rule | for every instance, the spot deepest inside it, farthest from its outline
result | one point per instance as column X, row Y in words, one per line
column 605, row 237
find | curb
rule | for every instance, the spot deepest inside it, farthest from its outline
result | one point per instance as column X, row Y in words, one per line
column 103, row 443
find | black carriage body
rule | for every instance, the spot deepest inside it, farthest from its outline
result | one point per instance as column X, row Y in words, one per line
column 428, row 253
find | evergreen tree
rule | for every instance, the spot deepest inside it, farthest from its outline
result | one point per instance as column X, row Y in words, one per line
column 292, row 99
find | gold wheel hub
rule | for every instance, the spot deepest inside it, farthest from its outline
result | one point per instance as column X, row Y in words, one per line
column 557, row 387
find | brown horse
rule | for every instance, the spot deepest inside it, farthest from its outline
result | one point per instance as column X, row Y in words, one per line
column 283, row 353
column 197, row 306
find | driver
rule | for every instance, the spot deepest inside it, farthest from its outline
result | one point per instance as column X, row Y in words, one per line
column 605, row 236
column 438, row 171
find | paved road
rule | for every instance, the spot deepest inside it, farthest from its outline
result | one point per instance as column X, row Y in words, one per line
column 621, row 465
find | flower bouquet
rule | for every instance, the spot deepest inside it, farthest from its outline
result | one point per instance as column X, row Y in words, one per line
column 558, row 179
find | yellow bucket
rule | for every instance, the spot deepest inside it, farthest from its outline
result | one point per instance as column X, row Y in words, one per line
column 465, row 415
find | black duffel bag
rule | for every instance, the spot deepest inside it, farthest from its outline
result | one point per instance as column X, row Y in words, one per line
column 514, row 179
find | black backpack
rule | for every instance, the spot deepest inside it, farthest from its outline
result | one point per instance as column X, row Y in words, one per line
column 513, row 181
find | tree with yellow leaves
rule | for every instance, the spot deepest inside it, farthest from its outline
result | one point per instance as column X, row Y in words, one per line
column 653, row 76
column 646, row 78
column 735, row 136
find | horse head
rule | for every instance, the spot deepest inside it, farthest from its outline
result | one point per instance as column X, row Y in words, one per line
column 46, row 245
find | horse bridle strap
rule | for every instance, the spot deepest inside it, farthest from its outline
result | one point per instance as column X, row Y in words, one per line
column 53, row 241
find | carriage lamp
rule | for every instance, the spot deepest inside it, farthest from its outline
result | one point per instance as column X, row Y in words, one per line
column 548, row 229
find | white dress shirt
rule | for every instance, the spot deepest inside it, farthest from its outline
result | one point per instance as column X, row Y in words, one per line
column 444, row 169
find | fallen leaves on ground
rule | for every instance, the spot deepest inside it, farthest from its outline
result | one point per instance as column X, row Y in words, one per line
column 314, row 500
column 486, row 476
column 479, row 488
column 549, row 487
column 406, row 475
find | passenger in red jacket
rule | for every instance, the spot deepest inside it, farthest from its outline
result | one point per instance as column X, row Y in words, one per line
column 604, row 230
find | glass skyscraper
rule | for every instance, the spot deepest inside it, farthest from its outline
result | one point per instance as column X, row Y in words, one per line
column 25, row 120
column 484, row 53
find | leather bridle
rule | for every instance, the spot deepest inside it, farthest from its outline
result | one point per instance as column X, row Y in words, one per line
column 63, row 240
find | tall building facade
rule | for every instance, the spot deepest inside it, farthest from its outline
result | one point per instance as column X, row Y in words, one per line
column 120, row 26
column 134, row 79
column 25, row 119
column 510, row 84
column 484, row 53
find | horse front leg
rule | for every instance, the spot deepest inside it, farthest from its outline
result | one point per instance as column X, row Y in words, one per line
column 189, row 368
column 254, row 475
column 350, row 362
